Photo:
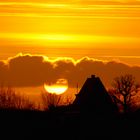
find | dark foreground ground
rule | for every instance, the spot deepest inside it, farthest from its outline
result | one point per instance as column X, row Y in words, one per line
column 68, row 125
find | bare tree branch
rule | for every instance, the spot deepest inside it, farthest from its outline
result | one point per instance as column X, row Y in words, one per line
column 50, row 101
column 126, row 87
column 9, row 99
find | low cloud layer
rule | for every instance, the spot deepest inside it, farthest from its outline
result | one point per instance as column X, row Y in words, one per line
column 27, row 70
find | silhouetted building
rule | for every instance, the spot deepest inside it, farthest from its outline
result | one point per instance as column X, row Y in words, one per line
column 93, row 97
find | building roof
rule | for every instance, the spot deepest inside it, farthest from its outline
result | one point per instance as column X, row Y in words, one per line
column 94, row 97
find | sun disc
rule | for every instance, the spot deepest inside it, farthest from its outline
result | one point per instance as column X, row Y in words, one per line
column 58, row 88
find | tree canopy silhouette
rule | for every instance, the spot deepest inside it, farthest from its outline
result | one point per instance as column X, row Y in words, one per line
column 124, row 87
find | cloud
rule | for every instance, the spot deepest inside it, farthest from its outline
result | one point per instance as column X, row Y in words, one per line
column 27, row 70
column 34, row 70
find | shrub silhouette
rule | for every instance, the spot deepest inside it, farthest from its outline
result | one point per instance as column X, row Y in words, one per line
column 9, row 99
column 68, row 100
column 50, row 101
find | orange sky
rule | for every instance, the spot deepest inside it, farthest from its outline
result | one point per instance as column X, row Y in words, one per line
column 105, row 29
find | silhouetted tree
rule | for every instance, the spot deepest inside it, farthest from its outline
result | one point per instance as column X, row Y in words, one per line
column 50, row 101
column 124, row 87
column 9, row 99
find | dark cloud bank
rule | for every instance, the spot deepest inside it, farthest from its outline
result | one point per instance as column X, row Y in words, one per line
column 28, row 70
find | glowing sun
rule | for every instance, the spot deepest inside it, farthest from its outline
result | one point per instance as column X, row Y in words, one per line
column 58, row 88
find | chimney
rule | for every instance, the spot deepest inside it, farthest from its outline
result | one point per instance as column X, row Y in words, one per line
column 93, row 76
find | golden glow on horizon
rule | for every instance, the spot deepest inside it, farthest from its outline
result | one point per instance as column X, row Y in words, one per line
column 58, row 88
